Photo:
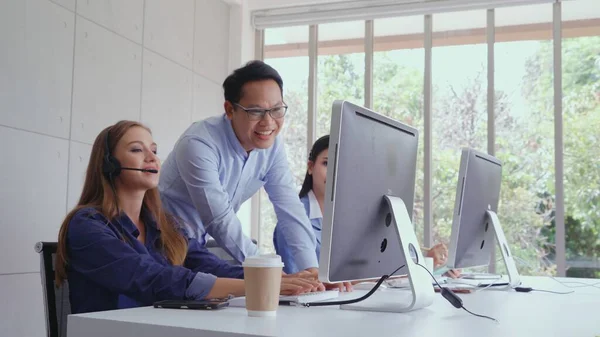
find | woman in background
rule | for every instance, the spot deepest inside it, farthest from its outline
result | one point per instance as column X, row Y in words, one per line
column 312, row 195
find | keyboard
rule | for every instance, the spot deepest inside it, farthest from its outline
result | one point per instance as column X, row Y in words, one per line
column 311, row 297
column 480, row 276
column 301, row 299
column 498, row 281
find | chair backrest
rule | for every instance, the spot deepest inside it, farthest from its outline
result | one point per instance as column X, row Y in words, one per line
column 214, row 248
column 56, row 299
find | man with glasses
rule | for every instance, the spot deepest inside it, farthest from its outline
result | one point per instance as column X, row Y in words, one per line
column 220, row 162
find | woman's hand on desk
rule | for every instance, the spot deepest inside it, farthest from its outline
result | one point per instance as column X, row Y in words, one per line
column 439, row 253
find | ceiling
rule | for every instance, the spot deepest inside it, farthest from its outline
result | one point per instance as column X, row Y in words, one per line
column 268, row 4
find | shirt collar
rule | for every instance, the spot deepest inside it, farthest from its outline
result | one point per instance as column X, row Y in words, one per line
column 149, row 219
column 131, row 228
column 315, row 209
column 125, row 222
column 233, row 140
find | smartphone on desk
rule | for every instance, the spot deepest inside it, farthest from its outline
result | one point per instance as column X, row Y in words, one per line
column 196, row 305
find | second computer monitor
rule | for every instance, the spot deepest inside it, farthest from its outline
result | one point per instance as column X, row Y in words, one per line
column 370, row 156
column 477, row 192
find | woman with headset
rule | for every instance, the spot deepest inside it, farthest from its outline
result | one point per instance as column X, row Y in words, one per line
column 312, row 195
column 118, row 248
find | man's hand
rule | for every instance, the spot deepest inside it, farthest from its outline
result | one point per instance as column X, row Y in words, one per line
column 308, row 274
column 311, row 274
column 298, row 285
column 343, row 286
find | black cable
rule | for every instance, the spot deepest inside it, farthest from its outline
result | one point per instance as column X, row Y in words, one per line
column 451, row 297
column 433, row 277
column 356, row 300
column 478, row 315
column 528, row 289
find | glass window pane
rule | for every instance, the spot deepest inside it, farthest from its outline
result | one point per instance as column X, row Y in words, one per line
column 524, row 122
column 459, row 116
column 286, row 54
column 581, row 123
column 341, row 68
column 398, row 75
column 286, row 42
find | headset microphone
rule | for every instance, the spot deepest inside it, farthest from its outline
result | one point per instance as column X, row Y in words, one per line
column 111, row 167
column 143, row 170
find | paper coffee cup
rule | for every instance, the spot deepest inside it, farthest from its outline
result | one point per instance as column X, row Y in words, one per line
column 262, row 280
column 429, row 264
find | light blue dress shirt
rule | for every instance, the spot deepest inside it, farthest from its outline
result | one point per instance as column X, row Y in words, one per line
column 207, row 177
column 313, row 210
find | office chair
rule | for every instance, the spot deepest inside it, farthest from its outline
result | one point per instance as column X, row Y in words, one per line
column 56, row 300
column 214, row 248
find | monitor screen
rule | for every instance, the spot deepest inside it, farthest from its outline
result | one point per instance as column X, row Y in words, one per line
column 370, row 156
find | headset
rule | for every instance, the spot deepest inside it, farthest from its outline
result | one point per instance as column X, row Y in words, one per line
column 111, row 167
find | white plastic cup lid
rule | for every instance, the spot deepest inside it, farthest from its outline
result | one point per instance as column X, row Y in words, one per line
column 263, row 261
column 429, row 263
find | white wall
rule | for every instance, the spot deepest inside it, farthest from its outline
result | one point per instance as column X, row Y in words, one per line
column 241, row 35
column 69, row 68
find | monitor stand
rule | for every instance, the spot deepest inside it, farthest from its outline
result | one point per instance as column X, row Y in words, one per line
column 420, row 281
column 514, row 279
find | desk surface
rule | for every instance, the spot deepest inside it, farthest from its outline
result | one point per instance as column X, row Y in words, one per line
column 519, row 314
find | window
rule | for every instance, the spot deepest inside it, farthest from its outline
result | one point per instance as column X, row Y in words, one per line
column 341, row 68
column 524, row 123
column 581, row 125
column 398, row 75
column 286, row 50
column 459, row 105
column 523, row 109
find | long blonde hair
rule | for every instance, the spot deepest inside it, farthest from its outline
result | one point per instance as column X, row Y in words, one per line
column 98, row 193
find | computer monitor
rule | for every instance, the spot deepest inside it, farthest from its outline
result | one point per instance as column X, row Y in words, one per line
column 367, row 230
column 475, row 222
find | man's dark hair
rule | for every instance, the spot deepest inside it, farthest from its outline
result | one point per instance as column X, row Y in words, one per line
column 251, row 72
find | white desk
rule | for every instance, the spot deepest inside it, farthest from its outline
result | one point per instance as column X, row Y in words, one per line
column 520, row 314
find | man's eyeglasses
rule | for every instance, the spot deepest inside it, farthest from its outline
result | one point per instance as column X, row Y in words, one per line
column 256, row 114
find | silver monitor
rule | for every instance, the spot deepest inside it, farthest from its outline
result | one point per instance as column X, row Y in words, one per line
column 367, row 230
column 475, row 222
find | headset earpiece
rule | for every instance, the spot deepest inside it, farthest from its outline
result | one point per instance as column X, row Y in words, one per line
column 111, row 167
